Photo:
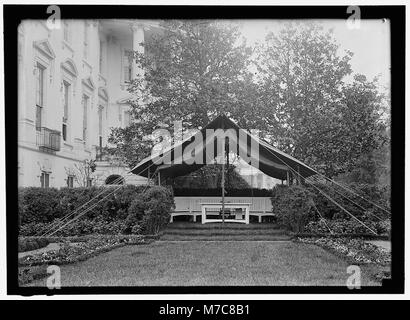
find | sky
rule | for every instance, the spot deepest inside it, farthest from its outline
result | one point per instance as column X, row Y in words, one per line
column 370, row 43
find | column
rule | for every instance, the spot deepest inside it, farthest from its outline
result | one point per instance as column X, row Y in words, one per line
column 137, row 39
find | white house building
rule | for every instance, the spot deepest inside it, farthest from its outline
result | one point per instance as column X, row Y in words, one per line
column 72, row 85
column 72, row 89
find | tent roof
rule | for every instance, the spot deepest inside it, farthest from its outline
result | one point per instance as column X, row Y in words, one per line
column 269, row 159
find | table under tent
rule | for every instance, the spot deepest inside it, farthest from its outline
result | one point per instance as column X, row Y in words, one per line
column 218, row 138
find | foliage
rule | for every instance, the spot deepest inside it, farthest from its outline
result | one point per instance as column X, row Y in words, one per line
column 29, row 244
column 293, row 206
column 46, row 204
column 194, row 71
column 331, row 216
column 68, row 252
column 356, row 205
column 83, row 172
column 310, row 111
column 347, row 226
column 355, row 250
column 41, row 208
column 151, row 211
column 299, row 97
column 38, row 204
column 83, row 226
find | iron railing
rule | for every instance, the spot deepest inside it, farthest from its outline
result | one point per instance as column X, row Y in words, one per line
column 48, row 140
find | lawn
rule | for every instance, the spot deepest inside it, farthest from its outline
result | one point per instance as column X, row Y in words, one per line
column 210, row 263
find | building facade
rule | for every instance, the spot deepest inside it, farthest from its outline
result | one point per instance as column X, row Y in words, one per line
column 72, row 89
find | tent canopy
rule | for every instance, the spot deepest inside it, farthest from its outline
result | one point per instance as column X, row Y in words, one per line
column 203, row 146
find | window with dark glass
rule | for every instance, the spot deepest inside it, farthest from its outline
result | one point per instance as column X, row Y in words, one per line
column 39, row 95
column 70, row 181
column 127, row 65
column 66, row 93
column 45, row 180
column 85, row 115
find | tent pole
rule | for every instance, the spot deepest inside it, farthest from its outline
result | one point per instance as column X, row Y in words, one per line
column 223, row 187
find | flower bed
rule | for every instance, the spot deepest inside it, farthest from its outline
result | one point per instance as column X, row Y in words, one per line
column 35, row 266
column 355, row 250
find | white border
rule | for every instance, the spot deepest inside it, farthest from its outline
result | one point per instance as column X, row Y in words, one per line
column 3, row 294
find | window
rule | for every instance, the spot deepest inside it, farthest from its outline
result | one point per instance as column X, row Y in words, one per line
column 100, row 120
column 70, row 181
column 66, row 30
column 89, row 182
column 45, row 180
column 66, row 102
column 85, row 114
column 85, row 40
column 101, row 57
column 127, row 118
column 127, row 65
column 40, row 70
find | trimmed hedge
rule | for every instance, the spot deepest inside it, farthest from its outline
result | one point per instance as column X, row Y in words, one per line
column 216, row 192
column 25, row 244
column 46, row 204
column 293, row 205
column 40, row 208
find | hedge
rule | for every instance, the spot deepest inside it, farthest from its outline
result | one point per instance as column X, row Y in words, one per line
column 377, row 194
column 40, row 208
column 27, row 244
column 294, row 207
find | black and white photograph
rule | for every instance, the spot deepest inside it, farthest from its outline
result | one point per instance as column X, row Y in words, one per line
column 204, row 152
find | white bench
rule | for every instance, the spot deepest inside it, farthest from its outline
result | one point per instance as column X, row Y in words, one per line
column 191, row 206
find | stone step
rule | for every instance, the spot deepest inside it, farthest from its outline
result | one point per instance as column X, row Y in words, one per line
column 173, row 237
column 228, row 225
column 220, row 231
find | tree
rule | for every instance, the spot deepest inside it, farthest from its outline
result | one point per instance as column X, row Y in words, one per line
column 193, row 71
column 299, row 98
column 84, row 172
column 310, row 111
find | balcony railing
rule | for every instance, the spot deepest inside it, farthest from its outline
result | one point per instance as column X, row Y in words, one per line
column 48, row 140
column 101, row 154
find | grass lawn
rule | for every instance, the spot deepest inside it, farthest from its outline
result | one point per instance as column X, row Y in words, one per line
column 208, row 263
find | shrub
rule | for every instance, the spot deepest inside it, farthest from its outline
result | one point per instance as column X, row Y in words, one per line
column 46, row 204
column 347, row 226
column 151, row 210
column 293, row 206
column 29, row 244
column 40, row 209
column 38, row 204
column 359, row 207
